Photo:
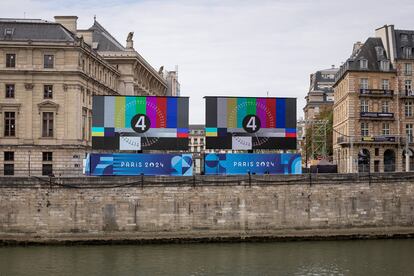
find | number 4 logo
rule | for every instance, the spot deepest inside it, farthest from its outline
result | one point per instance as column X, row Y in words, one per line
column 140, row 123
column 251, row 123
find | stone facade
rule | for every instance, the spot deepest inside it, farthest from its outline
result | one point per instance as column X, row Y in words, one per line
column 320, row 94
column 288, row 206
column 49, row 72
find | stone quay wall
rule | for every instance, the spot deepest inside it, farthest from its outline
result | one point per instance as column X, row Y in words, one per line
column 151, row 209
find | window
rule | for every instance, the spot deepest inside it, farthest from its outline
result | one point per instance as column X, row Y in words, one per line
column 385, row 84
column 376, row 166
column 409, row 132
column 380, row 51
column 376, row 151
column 385, row 65
column 47, row 169
column 10, row 60
column 385, row 107
column 9, row 90
column 9, row 156
column 407, row 86
column 404, row 37
column 48, row 61
column 9, row 124
column 47, row 128
column 363, row 83
column 8, row 169
column 364, row 106
column 408, row 69
column 47, row 156
column 364, row 129
column 84, row 117
column 363, row 63
column 408, row 109
column 48, row 91
column 385, row 128
column 407, row 51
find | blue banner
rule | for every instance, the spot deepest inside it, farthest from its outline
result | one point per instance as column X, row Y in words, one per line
column 243, row 163
column 137, row 164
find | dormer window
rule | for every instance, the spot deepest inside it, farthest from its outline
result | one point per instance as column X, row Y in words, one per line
column 385, row 65
column 407, row 52
column 363, row 63
column 380, row 51
column 404, row 37
column 8, row 32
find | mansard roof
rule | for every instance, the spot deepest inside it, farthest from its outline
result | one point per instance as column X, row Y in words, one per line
column 373, row 52
column 103, row 40
column 34, row 30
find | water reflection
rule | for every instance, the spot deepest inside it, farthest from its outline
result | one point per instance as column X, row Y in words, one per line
column 381, row 257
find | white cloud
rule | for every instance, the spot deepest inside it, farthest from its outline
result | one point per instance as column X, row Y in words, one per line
column 233, row 47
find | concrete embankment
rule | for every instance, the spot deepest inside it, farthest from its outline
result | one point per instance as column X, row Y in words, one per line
column 205, row 208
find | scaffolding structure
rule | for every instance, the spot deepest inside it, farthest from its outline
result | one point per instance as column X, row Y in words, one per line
column 318, row 141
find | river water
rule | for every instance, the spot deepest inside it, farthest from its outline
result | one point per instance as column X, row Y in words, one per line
column 364, row 257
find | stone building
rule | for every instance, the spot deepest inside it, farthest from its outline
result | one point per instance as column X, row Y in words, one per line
column 366, row 111
column 173, row 86
column 197, row 145
column 320, row 94
column 49, row 72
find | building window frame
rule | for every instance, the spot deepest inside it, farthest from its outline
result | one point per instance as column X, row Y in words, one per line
column 408, row 87
column 385, row 65
column 47, row 91
column 363, row 83
column 48, row 121
column 9, row 124
column 408, row 109
column 385, row 128
column 363, row 63
column 364, row 104
column 8, row 169
column 385, row 106
column 409, row 132
column 10, row 89
column 364, row 129
column 10, row 60
column 385, row 84
column 48, row 61
column 408, row 69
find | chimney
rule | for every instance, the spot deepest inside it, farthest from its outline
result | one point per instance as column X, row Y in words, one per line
column 357, row 46
column 333, row 66
column 69, row 22
column 87, row 36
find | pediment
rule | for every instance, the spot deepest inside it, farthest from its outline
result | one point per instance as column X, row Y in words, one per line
column 48, row 105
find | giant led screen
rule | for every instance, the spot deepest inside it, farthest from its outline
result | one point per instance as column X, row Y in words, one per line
column 134, row 123
column 248, row 123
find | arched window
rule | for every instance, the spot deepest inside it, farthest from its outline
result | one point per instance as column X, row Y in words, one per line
column 389, row 160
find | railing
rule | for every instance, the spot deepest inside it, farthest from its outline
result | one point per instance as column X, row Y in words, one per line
column 376, row 92
column 407, row 93
column 376, row 115
column 374, row 139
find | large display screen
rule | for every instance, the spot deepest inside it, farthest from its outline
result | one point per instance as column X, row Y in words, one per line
column 125, row 123
column 137, row 164
column 248, row 123
column 244, row 163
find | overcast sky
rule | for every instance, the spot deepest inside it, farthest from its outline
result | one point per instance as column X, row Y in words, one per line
column 233, row 47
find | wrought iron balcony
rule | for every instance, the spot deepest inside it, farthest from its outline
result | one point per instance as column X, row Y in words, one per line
column 376, row 92
column 367, row 139
column 377, row 115
column 407, row 94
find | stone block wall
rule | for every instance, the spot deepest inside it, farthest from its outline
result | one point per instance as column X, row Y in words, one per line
column 107, row 206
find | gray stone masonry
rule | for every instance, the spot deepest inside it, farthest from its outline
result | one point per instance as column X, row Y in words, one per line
column 205, row 207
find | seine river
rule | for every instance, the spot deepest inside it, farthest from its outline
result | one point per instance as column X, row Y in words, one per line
column 374, row 257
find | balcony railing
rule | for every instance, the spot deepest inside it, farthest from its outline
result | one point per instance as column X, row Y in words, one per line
column 364, row 139
column 376, row 92
column 407, row 94
column 376, row 115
